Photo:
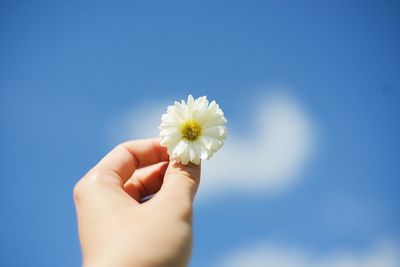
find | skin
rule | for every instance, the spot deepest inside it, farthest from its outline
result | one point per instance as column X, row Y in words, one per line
column 116, row 228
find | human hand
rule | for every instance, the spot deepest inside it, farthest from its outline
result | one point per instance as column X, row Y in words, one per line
column 116, row 229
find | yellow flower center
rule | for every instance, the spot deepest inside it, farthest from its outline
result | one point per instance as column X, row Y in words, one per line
column 191, row 130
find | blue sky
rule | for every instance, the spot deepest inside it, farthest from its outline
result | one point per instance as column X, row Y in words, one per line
column 71, row 73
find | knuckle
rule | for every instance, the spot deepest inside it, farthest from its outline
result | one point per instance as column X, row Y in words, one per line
column 92, row 178
column 190, row 180
column 78, row 190
column 190, row 171
column 121, row 146
column 97, row 176
column 125, row 149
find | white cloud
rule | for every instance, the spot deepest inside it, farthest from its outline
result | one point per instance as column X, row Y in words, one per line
column 267, row 161
column 380, row 254
column 270, row 160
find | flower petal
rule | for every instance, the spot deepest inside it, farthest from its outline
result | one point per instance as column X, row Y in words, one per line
column 213, row 131
column 216, row 132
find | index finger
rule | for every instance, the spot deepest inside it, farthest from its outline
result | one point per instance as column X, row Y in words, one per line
column 125, row 158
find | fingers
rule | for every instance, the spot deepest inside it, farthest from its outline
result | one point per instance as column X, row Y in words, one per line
column 124, row 159
column 146, row 181
column 108, row 177
column 180, row 186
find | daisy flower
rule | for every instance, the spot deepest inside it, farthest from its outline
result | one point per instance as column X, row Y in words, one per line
column 194, row 130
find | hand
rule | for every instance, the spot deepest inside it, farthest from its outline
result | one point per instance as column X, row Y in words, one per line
column 116, row 229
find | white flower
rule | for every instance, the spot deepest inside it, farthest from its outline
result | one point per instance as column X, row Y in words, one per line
column 193, row 131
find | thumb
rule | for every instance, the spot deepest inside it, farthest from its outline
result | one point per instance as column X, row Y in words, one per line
column 180, row 184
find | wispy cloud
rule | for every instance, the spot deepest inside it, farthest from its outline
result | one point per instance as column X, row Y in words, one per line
column 380, row 254
column 268, row 161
